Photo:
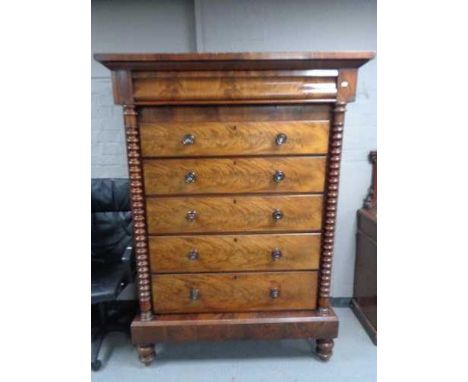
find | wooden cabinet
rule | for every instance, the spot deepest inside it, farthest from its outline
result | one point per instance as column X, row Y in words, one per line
column 234, row 164
column 364, row 302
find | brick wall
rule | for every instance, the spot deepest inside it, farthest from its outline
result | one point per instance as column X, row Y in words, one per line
column 107, row 134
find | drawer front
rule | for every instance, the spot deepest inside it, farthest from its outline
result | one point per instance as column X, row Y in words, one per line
column 166, row 139
column 234, row 292
column 236, row 175
column 182, row 254
column 234, row 214
column 237, row 85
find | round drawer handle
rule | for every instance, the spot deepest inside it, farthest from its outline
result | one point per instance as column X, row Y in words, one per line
column 274, row 293
column 276, row 254
column 278, row 176
column 194, row 294
column 191, row 215
column 277, row 215
column 281, row 139
column 188, row 139
column 193, row 255
column 190, row 177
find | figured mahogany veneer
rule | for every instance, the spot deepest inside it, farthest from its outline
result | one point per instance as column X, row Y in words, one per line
column 234, row 292
column 236, row 175
column 234, row 214
column 252, row 116
column 239, row 85
column 218, row 253
column 164, row 139
column 234, row 164
column 233, row 61
column 234, row 326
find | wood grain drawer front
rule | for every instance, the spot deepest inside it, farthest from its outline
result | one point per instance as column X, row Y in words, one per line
column 181, row 254
column 234, row 292
column 217, row 86
column 234, row 214
column 166, row 139
column 237, row 175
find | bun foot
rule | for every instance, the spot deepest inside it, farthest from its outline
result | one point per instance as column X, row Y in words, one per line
column 324, row 349
column 146, row 354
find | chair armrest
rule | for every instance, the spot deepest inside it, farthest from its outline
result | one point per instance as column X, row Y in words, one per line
column 127, row 255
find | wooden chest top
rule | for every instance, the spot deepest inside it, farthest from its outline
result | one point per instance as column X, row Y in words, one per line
column 188, row 78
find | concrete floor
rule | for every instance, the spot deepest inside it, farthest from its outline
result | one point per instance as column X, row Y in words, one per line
column 354, row 359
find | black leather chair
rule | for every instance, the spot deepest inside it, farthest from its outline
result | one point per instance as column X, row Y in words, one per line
column 111, row 254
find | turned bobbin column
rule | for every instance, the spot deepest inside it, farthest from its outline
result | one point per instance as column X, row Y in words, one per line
column 330, row 205
column 138, row 212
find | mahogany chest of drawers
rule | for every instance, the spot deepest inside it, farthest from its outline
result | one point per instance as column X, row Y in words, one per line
column 234, row 166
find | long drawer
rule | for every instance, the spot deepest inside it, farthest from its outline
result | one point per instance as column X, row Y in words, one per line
column 234, row 214
column 214, row 253
column 200, row 85
column 234, row 292
column 173, row 139
column 237, row 175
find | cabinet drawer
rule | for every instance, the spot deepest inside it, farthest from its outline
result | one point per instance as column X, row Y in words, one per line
column 233, row 292
column 199, row 86
column 166, row 139
column 234, row 214
column 182, row 254
column 236, row 175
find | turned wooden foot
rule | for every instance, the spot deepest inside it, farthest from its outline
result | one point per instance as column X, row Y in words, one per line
column 324, row 349
column 146, row 354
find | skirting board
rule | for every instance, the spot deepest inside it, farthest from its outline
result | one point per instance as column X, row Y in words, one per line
column 367, row 325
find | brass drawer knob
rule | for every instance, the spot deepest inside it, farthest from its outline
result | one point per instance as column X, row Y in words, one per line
column 191, row 215
column 190, row 177
column 193, row 255
column 194, row 294
column 276, row 254
column 278, row 176
column 281, row 139
column 274, row 293
column 188, row 139
column 277, row 215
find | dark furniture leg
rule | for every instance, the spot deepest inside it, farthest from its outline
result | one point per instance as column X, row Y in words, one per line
column 146, row 354
column 324, row 348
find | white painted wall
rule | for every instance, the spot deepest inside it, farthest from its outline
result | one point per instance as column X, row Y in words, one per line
column 245, row 25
